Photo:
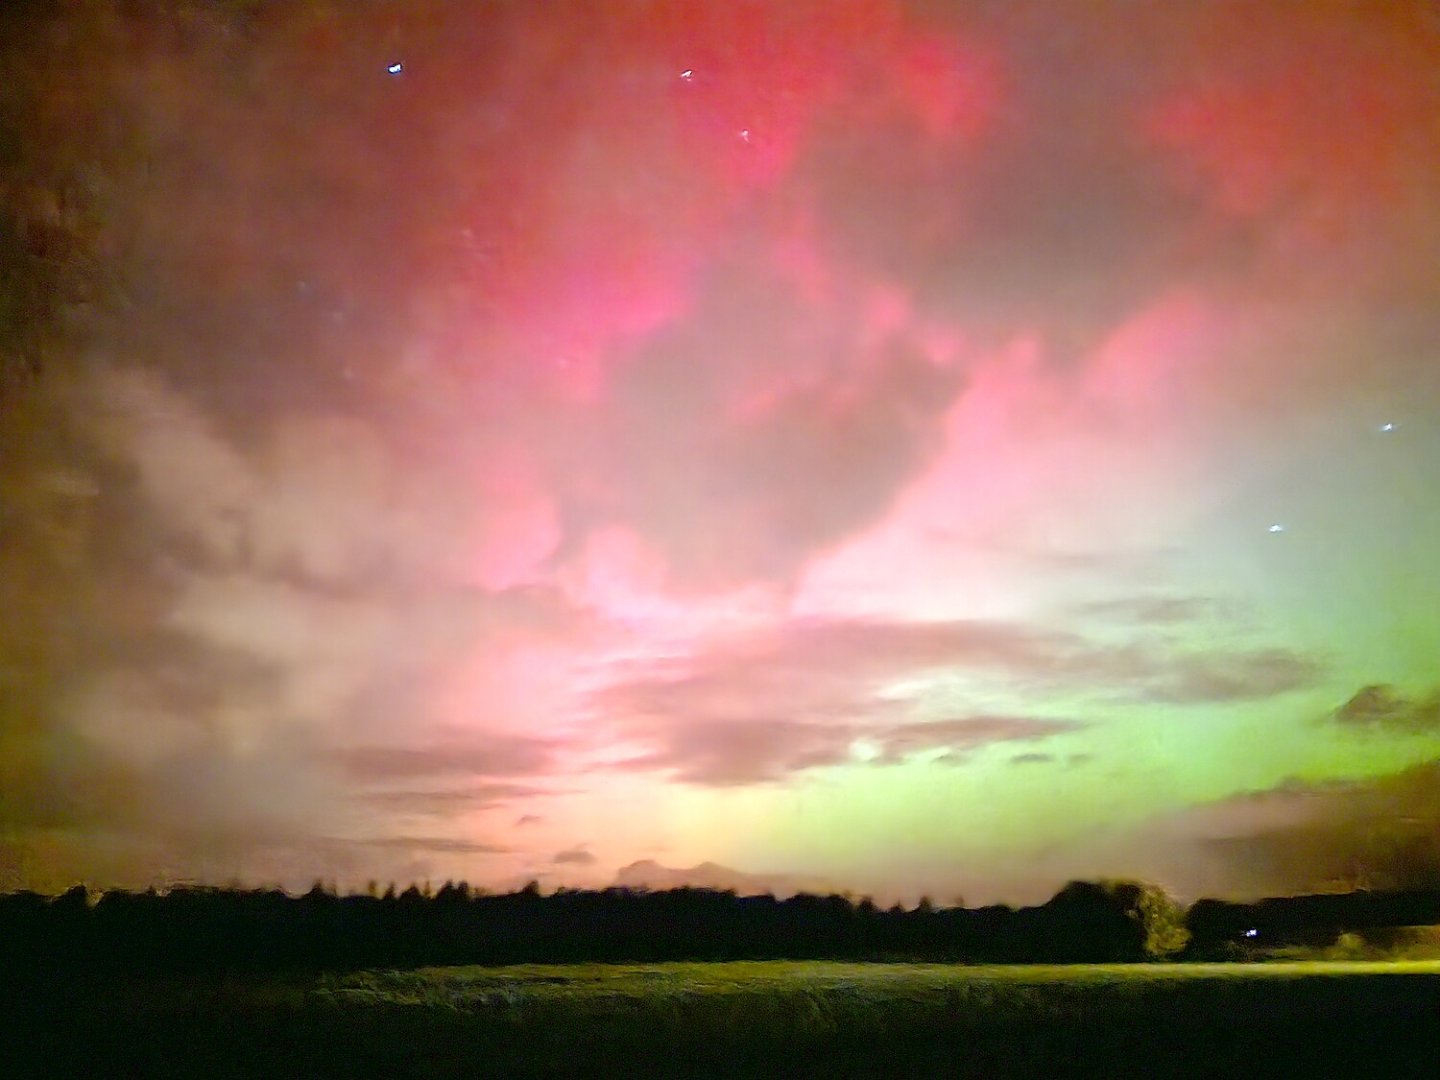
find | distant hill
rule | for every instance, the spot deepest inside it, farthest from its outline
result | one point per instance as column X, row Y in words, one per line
column 648, row 874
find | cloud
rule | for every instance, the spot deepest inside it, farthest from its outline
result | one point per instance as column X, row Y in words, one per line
column 259, row 610
column 1385, row 708
column 1224, row 676
column 818, row 692
column 576, row 856
column 832, row 668
column 1158, row 610
column 319, row 510
column 1253, row 132
column 726, row 753
column 326, row 499
column 1379, row 832
column 735, row 752
column 438, row 845
column 1297, row 836
column 528, row 819
column 446, row 802
column 1032, row 759
column 729, row 458
column 968, row 733
column 495, row 755
column 197, row 484
column 224, row 634
column 648, row 874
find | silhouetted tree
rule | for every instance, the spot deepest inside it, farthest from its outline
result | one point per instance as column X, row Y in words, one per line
column 200, row 927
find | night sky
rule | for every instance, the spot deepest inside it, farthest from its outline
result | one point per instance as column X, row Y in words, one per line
column 931, row 447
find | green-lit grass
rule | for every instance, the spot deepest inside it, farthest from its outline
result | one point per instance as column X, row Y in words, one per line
column 753, row 1018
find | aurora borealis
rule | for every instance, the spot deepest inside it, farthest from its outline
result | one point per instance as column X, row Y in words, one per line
column 932, row 447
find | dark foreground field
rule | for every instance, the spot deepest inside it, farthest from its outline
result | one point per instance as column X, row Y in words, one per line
column 738, row 1019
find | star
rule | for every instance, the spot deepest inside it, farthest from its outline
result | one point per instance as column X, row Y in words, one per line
column 396, row 68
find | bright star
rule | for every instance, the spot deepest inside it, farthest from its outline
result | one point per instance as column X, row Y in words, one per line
column 395, row 68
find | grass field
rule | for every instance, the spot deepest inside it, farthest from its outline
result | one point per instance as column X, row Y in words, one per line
column 741, row 1019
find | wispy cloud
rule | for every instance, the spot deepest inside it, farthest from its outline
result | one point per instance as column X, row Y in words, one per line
column 439, row 845
column 732, row 752
column 576, row 856
column 451, row 801
column 492, row 755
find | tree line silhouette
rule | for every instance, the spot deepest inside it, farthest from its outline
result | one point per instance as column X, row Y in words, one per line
column 199, row 927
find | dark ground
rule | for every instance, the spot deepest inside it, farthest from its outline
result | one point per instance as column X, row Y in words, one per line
column 741, row 1019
